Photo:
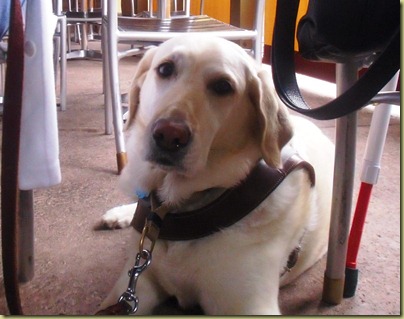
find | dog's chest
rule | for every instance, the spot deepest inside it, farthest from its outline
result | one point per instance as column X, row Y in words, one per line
column 177, row 267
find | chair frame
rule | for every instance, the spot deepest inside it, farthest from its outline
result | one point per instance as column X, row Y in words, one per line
column 60, row 54
column 82, row 19
column 344, row 172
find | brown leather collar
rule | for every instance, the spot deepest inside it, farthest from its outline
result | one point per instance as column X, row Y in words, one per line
column 229, row 208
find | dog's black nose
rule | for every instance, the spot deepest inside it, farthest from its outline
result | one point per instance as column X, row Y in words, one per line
column 171, row 135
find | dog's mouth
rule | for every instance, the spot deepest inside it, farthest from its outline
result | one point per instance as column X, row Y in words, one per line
column 166, row 162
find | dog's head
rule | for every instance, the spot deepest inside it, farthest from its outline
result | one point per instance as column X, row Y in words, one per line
column 201, row 103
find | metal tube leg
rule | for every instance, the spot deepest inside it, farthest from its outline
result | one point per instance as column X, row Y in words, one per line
column 344, row 170
column 258, row 43
column 63, row 67
column 26, row 237
column 106, row 85
column 56, row 53
column 113, row 77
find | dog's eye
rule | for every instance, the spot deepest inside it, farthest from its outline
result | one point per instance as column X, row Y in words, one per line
column 221, row 87
column 166, row 69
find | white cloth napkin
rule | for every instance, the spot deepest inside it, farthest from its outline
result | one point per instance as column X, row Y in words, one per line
column 39, row 149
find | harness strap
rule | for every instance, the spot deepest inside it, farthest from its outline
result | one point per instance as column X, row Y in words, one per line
column 10, row 156
column 225, row 211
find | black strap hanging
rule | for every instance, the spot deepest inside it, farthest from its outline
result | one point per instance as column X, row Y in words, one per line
column 283, row 69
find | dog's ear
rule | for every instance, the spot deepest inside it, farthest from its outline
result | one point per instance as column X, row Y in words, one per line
column 275, row 129
column 137, row 82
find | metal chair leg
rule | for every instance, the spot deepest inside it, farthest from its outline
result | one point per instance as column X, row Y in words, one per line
column 258, row 44
column 113, row 77
column 63, row 59
column 106, row 85
column 344, row 170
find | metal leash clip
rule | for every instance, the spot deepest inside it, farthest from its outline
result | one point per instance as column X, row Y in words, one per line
column 150, row 231
column 129, row 296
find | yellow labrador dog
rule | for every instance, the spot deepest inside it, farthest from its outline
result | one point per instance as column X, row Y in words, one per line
column 202, row 115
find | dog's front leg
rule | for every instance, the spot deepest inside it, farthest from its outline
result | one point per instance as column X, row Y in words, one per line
column 249, row 286
column 245, row 300
column 118, row 217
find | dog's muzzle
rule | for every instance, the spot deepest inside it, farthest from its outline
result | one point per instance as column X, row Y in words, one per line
column 169, row 142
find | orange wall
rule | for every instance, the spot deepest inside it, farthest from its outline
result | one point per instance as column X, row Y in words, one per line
column 270, row 10
column 216, row 9
column 221, row 11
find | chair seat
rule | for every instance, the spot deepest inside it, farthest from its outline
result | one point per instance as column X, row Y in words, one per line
column 200, row 23
column 96, row 14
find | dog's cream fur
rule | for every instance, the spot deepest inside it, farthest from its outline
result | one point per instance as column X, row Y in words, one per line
column 237, row 270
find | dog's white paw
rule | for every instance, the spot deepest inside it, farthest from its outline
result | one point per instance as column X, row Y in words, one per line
column 118, row 217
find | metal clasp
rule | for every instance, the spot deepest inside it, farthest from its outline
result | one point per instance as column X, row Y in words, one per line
column 129, row 296
column 150, row 231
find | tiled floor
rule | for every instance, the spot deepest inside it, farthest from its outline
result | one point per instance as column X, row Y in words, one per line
column 75, row 266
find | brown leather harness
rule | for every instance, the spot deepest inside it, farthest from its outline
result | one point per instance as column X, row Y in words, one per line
column 228, row 209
